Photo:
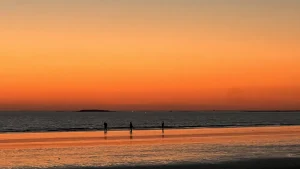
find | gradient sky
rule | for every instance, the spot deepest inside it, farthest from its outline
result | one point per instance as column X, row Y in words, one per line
column 149, row 54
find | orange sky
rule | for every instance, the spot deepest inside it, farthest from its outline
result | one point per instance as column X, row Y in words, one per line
column 149, row 54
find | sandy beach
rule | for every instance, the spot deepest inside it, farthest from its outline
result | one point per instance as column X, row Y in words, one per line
column 277, row 163
column 85, row 149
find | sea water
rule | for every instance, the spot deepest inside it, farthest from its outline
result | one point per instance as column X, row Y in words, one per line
column 89, row 121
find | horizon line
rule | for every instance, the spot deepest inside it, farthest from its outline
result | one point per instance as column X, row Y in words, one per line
column 164, row 110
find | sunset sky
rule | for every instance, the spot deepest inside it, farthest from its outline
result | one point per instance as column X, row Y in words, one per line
column 149, row 54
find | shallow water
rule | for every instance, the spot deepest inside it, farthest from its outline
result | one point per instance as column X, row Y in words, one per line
column 247, row 143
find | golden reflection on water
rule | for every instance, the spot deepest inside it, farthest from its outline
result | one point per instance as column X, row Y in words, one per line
column 143, row 147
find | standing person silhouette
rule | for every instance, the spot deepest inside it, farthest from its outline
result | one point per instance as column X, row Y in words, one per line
column 105, row 127
column 131, row 127
column 163, row 126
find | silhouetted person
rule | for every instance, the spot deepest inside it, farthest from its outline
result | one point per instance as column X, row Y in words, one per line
column 163, row 126
column 105, row 127
column 131, row 127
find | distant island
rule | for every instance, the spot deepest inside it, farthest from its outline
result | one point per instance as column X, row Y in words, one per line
column 94, row 110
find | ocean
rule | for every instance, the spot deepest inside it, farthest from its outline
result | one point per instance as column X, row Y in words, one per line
column 216, row 139
column 91, row 121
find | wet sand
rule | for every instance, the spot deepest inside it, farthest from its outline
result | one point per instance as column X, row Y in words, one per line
column 276, row 163
column 253, row 147
column 200, row 135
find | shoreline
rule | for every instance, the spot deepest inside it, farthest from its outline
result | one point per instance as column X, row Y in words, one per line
column 98, row 138
column 150, row 128
column 209, row 148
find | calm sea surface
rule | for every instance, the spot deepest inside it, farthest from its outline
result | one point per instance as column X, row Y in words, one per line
column 158, row 152
column 89, row 121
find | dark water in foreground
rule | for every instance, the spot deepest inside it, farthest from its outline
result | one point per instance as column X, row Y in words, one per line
column 87, row 121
